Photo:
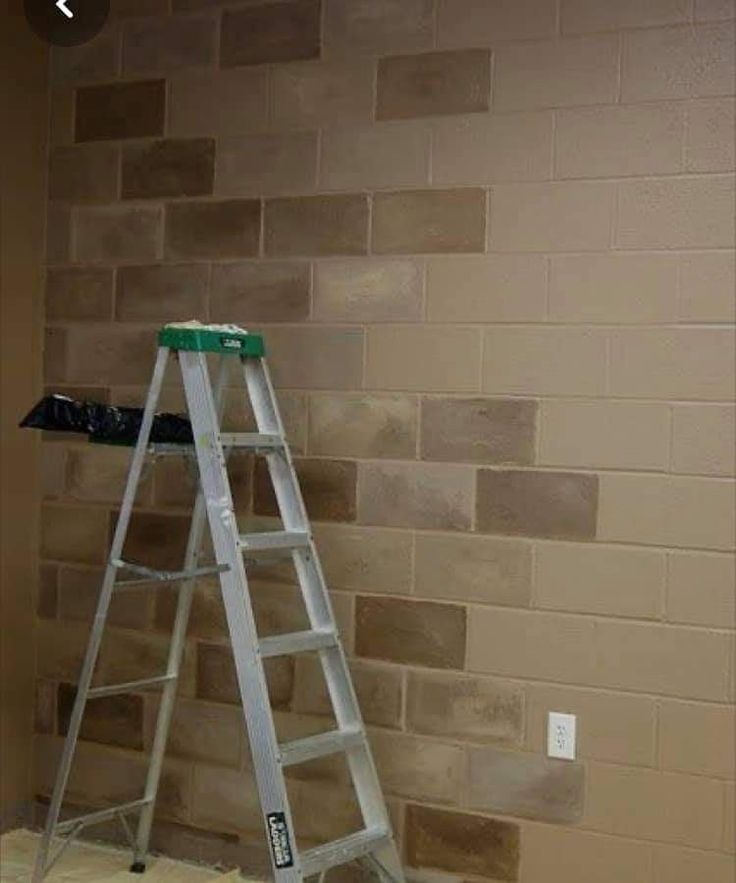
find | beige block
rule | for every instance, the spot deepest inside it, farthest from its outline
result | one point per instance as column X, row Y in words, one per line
column 484, row 570
column 368, row 559
column 204, row 731
column 97, row 473
column 661, row 659
column 76, row 533
column 605, row 434
column 729, row 821
column 225, row 800
column 479, row 148
column 556, row 73
column 423, row 495
column 601, row 580
column 437, row 359
column 316, row 225
column 116, row 233
column 373, row 290
column 84, row 173
column 692, row 363
column 707, row 284
column 316, row 358
column 263, row 291
column 58, row 233
column 493, row 288
column 552, row 853
column 615, row 287
column 667, row 511
column 320, row 93
column 161, row 292
column 55, row 351
column 363, row 426
column 697, row 738
column 168, row 43
column 79, row 293
column 651, row 805
column 261, row 165
column 99, row 354
column 674, row 864
column 560, row 216
column 586, row 16
column 704, row 439
column 700, row 589
column 377, row 26
column 61, row 116
column 544, row 361
column 612, row 727
column 418, row 768
column 709, row 136
column 94, row 60
column 217, row 102
column 686, row 213
column 717, row 10
column 479, row 23
column 687, row 62
column 611, row 141
column 375, row 156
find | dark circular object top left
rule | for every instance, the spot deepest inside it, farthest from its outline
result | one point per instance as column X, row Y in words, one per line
column 66, row 22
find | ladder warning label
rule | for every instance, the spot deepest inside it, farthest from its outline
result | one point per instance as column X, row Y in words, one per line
column 278, row 834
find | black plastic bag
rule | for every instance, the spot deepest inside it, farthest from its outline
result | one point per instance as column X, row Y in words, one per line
column 105, row 423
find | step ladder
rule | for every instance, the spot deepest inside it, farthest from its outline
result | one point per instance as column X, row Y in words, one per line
column 374, row 845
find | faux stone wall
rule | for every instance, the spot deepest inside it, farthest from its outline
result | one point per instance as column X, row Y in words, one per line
column 489, row 243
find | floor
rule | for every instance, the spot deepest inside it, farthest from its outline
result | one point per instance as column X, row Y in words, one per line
column 89, row 863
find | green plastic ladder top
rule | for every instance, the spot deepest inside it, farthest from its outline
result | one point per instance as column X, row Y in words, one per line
column 211, row 340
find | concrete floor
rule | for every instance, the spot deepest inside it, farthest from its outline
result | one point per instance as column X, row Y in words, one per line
column 90, row 863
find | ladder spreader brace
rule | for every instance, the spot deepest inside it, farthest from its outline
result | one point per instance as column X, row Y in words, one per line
column 374, row 845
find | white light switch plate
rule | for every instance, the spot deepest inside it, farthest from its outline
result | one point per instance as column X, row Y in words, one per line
column 561, row 735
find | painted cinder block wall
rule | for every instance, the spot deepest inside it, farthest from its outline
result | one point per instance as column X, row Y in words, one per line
column 490, row 245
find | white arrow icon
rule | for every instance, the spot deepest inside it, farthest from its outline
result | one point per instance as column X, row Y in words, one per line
column 62, row 7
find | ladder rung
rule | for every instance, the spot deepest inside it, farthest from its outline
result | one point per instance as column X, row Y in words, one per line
column 268, row 541
column 296, row 642
column 329, row 855
column 129, row 687
column 321, row 745
column 150, row 575
column 252, row 440
column 101, row 815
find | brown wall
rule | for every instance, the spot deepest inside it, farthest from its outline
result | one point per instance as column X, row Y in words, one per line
column 22, row 202
column 490, row 247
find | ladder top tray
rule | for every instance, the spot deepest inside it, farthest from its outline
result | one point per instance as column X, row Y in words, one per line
column 227, row 339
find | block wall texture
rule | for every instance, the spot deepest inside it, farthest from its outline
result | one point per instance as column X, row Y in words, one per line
column 490, row 245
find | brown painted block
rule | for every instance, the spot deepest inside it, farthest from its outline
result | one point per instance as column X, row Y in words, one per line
column 174, row 167
column 155, row 540
column 84, row 173
column 203, row 731
column 462, row 843
column 328, row 487
column 112, row 720
column 94, row 60
column 354, row 27
column 434, row 83
column 116, row 233
column 168, row 43
column 316, row 225
column 419, row 632
column 58, row 233
column 316, row 358
column 429, row 221
column 216, row 679
column 230, row 228
column 47, row 600
column 270, row 32
column 76, row 533
column 561, row 505
column 161, row 292
column 120, row 110
column 44, row 710
column 97, row 473
column 79, row 592
column 207, row 616
column 259, row 292
column 78, row 293
column 55, row 355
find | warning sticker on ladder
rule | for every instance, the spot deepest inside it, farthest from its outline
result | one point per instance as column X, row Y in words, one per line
column 278, row 834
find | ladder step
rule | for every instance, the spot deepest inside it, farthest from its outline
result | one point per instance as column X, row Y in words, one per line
column 296, row 642
column 150, row 575
column 272, row 540
column 255, row 441
column 321, row 745
column 101, row 815
column 329, row 855
column 129, row 686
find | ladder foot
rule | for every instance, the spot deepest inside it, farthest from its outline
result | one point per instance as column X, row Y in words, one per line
column 138, row 868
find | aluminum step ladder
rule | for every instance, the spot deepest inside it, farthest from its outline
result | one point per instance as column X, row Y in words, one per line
column 374, row 845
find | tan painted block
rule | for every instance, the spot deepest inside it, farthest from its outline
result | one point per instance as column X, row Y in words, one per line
column 78, row 293
column 729, row 818
column 316, row 358
column 97, row 473
column 611, row 726
column 120, row 110
column 267, row 33
column 478, row 23
column 667, row 511
column 556, row 73
column 171, row 167
column 437, row 359
column 588, row 16
column 707, row 284
column 316, row 225
column 213, row 229
column 104, row 355
column 76, row 533
column 203, row 731
column 697, row 738
column 380, row 155
column 492, row 288
column 560, row 216
column 692, row 363
column 687, row 213
column 709, row 137
column 129, row 656
column 601, row 580
column 251, row 291
column 373, row 290
column 459, row 707
column 58, row 233
column 156, row 538
column 485, row 570
column 674, row 864
column 55, row 352
column 700, row 589
column 321, row 93
column 84, row 173
column 224, row 799
column 97, row 59
column 706, row 10
column 61, row 647
column 116, row 233
column 61, row 116
column 604, row 434
column 544, row 361
column 704, row 439
column 169, row 43
column 368, row 559
column 328, row 488
column 261, row 165
column 363, row 425
column 687, row 62
column 217, row 102
column 217, row 682
column 53, row 470
column 614, row 287
column 423, row 495
column 377, row 26
column 619, row 141
column 630, row 802
column 161, row 292
column 418, row 768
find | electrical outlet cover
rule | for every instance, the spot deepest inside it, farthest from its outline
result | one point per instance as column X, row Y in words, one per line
column 561, row 735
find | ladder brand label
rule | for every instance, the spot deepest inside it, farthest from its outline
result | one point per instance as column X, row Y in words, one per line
column 278, row 834
column 232, row 343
